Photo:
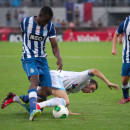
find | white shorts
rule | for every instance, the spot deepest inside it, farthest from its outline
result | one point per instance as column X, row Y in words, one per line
column 56, row 80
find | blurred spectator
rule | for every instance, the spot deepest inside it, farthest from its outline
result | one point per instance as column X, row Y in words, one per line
column 77, row 15
column 71, row 26
column 91, row 23
column 63, row 23
column 16, row 14
column 58, row 23
column 69, row 10
column 21, row 15
column 99, row 23
column 8, row 18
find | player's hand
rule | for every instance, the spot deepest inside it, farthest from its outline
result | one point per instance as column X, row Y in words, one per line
column 59, row 63
column 71, row 113
column 74, row 113
column 114, row 51
column 111, row 85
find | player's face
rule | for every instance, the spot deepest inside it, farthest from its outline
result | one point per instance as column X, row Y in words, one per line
column 89, row 88
column 43, row 19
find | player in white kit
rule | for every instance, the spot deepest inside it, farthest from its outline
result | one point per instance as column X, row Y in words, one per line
column 70, row 81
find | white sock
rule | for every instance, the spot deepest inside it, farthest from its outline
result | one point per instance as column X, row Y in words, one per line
column 17, row 99
column 125, row 86
column 52, row 102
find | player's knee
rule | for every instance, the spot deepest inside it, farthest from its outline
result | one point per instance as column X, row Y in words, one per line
column 67, row 102
column 34, row 80
column 125, row 81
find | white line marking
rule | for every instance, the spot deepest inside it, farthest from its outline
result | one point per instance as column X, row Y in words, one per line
column 68, row 57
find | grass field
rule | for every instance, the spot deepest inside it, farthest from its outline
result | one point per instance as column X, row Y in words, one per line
column 100, row 110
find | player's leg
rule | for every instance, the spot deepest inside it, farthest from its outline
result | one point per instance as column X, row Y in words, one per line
column 11, row 97
column 125, row 86
column 61, row 98
column 57, row 90
column 31, row 68
column 61, row 94
column 125, row 83
column 32, row 93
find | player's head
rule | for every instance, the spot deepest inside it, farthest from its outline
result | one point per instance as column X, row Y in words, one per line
column 45, row 15
column 90, row 87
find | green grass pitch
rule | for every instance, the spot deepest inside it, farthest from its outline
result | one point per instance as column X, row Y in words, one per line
column 99, row 110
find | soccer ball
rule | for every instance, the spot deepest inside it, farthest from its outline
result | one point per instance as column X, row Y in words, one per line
column 60, row 111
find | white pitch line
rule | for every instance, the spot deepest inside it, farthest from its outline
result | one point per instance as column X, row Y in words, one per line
column 68, row 57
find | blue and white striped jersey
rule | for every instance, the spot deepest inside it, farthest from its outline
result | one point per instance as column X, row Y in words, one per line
column 125, row 27
column 34, row 38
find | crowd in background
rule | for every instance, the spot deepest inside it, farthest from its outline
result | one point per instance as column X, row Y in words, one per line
column 72, row 18
column 61, row 3
column 17, row 17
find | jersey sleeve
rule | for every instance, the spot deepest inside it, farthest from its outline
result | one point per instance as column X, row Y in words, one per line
column 120, row 28
column 22, row 25
column 52, row 32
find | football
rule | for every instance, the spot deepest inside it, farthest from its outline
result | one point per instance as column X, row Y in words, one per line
column 60, row 111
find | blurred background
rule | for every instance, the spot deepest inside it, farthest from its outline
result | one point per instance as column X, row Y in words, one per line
column 74, row 20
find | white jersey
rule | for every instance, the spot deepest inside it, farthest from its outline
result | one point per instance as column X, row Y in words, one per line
column 125, row 27
column 73, row 82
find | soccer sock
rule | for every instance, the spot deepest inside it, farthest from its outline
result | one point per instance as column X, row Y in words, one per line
column 25, row 98
column 52, row 102
column 17, row 99
column 125, row 90
column 32, row 99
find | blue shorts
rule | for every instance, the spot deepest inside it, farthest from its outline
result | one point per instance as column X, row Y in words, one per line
column 125, row 69
column 38, row 66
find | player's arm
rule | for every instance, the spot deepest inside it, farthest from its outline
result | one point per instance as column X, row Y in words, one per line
column 97, row 73
column 56, row 52
column 71, row 113
column 120, row 39
column 118, row 32
column 115, row 38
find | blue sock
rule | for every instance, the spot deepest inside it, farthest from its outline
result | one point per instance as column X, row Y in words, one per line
column 125, row 92
column 25, row 98
column 32, row 99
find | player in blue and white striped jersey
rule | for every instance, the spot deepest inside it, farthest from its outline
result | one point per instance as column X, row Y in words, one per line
column 35, row 31
column 124, row 27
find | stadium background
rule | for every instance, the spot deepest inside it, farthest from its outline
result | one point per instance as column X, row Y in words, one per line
column 99, row 110
column 96, row 20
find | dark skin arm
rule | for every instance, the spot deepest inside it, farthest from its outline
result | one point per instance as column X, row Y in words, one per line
column 56, row 52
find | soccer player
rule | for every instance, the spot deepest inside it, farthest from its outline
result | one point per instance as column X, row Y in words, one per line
column 124, row 27
column 73, row 82
column 35, row 30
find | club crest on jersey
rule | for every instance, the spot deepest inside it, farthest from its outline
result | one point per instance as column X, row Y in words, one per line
column 37, row 30
column 34, row 37
column 45, row 31
column 32, row 70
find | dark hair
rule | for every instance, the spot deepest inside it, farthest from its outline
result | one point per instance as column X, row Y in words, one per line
column 92, row 81
column 46, row 11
